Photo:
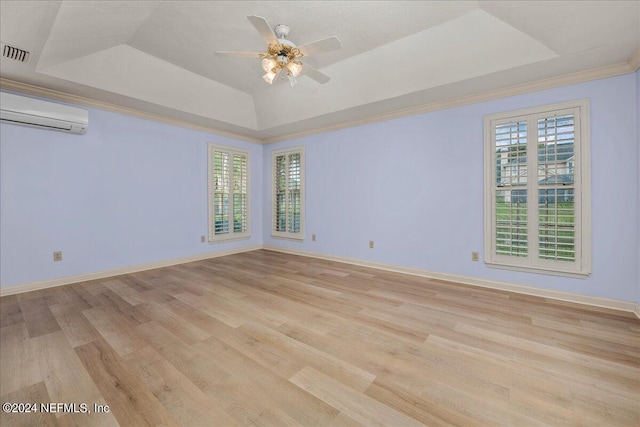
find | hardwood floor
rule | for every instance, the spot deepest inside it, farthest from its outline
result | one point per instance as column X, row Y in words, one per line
column 263, row 338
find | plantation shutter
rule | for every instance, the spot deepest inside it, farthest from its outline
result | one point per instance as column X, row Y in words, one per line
column 556, row 188
column 221, row 192
column 537, row 196
column 288, row 194
column 280, row 183
column 240, row 199
column 229, row 194
column 511, row 218
column 293, row 193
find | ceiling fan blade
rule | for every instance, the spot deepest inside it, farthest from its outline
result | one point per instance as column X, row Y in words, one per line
column 320, row 46
column 238, row 54
column 314, row 74
column 263, row 28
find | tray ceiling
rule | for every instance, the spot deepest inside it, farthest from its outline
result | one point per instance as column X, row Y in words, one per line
column 159, row 57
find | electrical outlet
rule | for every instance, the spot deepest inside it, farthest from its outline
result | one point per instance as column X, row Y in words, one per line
column 201, row 239
column 57, row 256
column 371, row 244
column 475, row 256
column 313, row 237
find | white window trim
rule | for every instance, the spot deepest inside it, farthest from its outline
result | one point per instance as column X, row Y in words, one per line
column 286, row 234
column 218, row 238
column 583, row 265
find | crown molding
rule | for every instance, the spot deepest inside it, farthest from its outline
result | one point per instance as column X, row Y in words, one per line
column 632, row 65
column 88, row 102
column 634, row 61
column 538, row 85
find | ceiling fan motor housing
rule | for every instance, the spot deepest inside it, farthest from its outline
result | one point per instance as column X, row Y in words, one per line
column 282, row 31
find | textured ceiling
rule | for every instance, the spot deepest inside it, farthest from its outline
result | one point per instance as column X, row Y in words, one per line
column 159, row 57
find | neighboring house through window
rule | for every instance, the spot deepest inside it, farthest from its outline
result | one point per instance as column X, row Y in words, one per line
column 288, row 193
column 537, row 190
column 228, row 193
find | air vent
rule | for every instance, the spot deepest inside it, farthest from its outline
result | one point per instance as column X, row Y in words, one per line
column 15, row 53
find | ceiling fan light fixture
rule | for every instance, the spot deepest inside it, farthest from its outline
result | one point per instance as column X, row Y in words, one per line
column 268, row 64
column 295, row 68
column 282, row 56
column 269, row 77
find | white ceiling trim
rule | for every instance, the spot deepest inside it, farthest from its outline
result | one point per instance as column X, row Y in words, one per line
column 11, row 85
column 579, row 77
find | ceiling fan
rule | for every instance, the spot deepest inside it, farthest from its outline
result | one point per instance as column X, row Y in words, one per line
column 283, row 55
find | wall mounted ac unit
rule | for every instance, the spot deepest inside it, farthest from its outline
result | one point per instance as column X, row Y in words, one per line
column 21, row 110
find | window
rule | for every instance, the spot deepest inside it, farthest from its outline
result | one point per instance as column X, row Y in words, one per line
column 537, row 190
column 288, row 193
column 228, row 193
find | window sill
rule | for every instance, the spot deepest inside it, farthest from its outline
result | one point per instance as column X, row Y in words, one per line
column 537, row 270
column 229, row 239
column 283, row 237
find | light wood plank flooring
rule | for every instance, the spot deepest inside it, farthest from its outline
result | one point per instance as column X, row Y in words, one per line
column 263, row 338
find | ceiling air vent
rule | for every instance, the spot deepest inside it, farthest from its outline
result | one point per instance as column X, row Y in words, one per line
column 15, row 53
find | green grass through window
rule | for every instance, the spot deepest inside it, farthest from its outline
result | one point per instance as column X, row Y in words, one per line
column 556, row 230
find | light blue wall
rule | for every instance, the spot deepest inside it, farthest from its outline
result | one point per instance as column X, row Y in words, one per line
column 129, row 192
column 133, row 191
column 415, row 186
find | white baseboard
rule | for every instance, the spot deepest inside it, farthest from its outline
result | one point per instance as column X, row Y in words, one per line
column 35, row 286
column 527, row 290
